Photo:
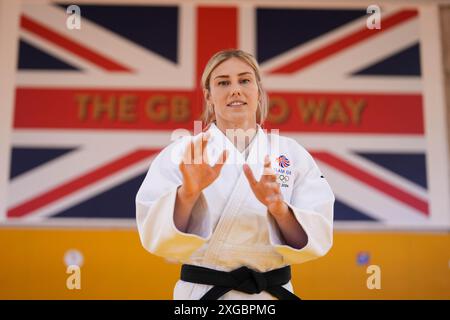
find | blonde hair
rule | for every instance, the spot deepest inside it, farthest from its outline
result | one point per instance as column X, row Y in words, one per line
column 214, row 61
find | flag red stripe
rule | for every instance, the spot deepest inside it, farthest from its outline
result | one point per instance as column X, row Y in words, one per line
column 79, row 183
column 216, row 30
column 106, row 109
column 373, row 181
column 69, row 45
column 343, row 43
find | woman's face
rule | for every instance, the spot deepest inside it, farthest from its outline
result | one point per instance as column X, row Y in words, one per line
column 234, row 94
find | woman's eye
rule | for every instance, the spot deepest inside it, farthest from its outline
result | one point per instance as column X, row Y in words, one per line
column 245, row 81
column 223, row 83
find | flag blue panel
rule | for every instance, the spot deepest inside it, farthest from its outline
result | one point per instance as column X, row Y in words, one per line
column 152, row 27
column 343, row 211
column 33, row 58
column 411, row 166
column 403, row 63
column 116, row 202
column 25, row 159
column 279, row 30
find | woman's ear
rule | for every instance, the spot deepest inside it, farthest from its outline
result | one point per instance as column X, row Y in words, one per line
column 207, row 95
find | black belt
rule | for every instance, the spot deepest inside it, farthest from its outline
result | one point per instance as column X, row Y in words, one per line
column 242, row 279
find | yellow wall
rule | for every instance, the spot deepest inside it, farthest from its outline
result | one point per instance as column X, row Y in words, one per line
column 413, row 266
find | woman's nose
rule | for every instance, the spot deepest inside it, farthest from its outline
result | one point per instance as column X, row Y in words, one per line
column 235, row 90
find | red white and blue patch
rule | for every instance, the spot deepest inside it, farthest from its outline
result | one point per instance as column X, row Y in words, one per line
column 283, row 162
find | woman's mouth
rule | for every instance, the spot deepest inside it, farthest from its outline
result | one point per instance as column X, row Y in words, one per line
column 235, row 104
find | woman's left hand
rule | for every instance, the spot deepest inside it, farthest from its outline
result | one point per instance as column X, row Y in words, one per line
column 267, row 190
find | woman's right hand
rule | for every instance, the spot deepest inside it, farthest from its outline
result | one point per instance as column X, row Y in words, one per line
column 195, row 168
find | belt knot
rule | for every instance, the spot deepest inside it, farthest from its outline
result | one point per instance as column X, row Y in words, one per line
column 248, row 280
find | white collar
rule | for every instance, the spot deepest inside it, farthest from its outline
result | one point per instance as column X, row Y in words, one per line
column 257, row 148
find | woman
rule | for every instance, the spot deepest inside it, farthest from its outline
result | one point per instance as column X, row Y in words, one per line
column 234, row 204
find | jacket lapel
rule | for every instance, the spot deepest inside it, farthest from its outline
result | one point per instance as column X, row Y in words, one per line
column 241, row 191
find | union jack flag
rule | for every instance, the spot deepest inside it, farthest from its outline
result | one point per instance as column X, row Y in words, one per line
column 95, row 105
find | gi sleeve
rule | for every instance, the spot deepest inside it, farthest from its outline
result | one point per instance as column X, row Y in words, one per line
column 312, row 203
column 155, row 204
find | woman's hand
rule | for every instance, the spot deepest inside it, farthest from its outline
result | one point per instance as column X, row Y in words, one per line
column 195, row 168
column 267, row 190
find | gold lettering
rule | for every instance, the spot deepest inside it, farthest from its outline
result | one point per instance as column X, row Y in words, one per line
column 356, row 109
column 336, row 113
column 101, row 107
column 127, row 108
column 152, row 111
column 82, row 102
column 180, row 109
column 312, row 109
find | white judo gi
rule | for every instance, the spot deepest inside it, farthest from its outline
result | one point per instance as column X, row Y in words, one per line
column 229, row 227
